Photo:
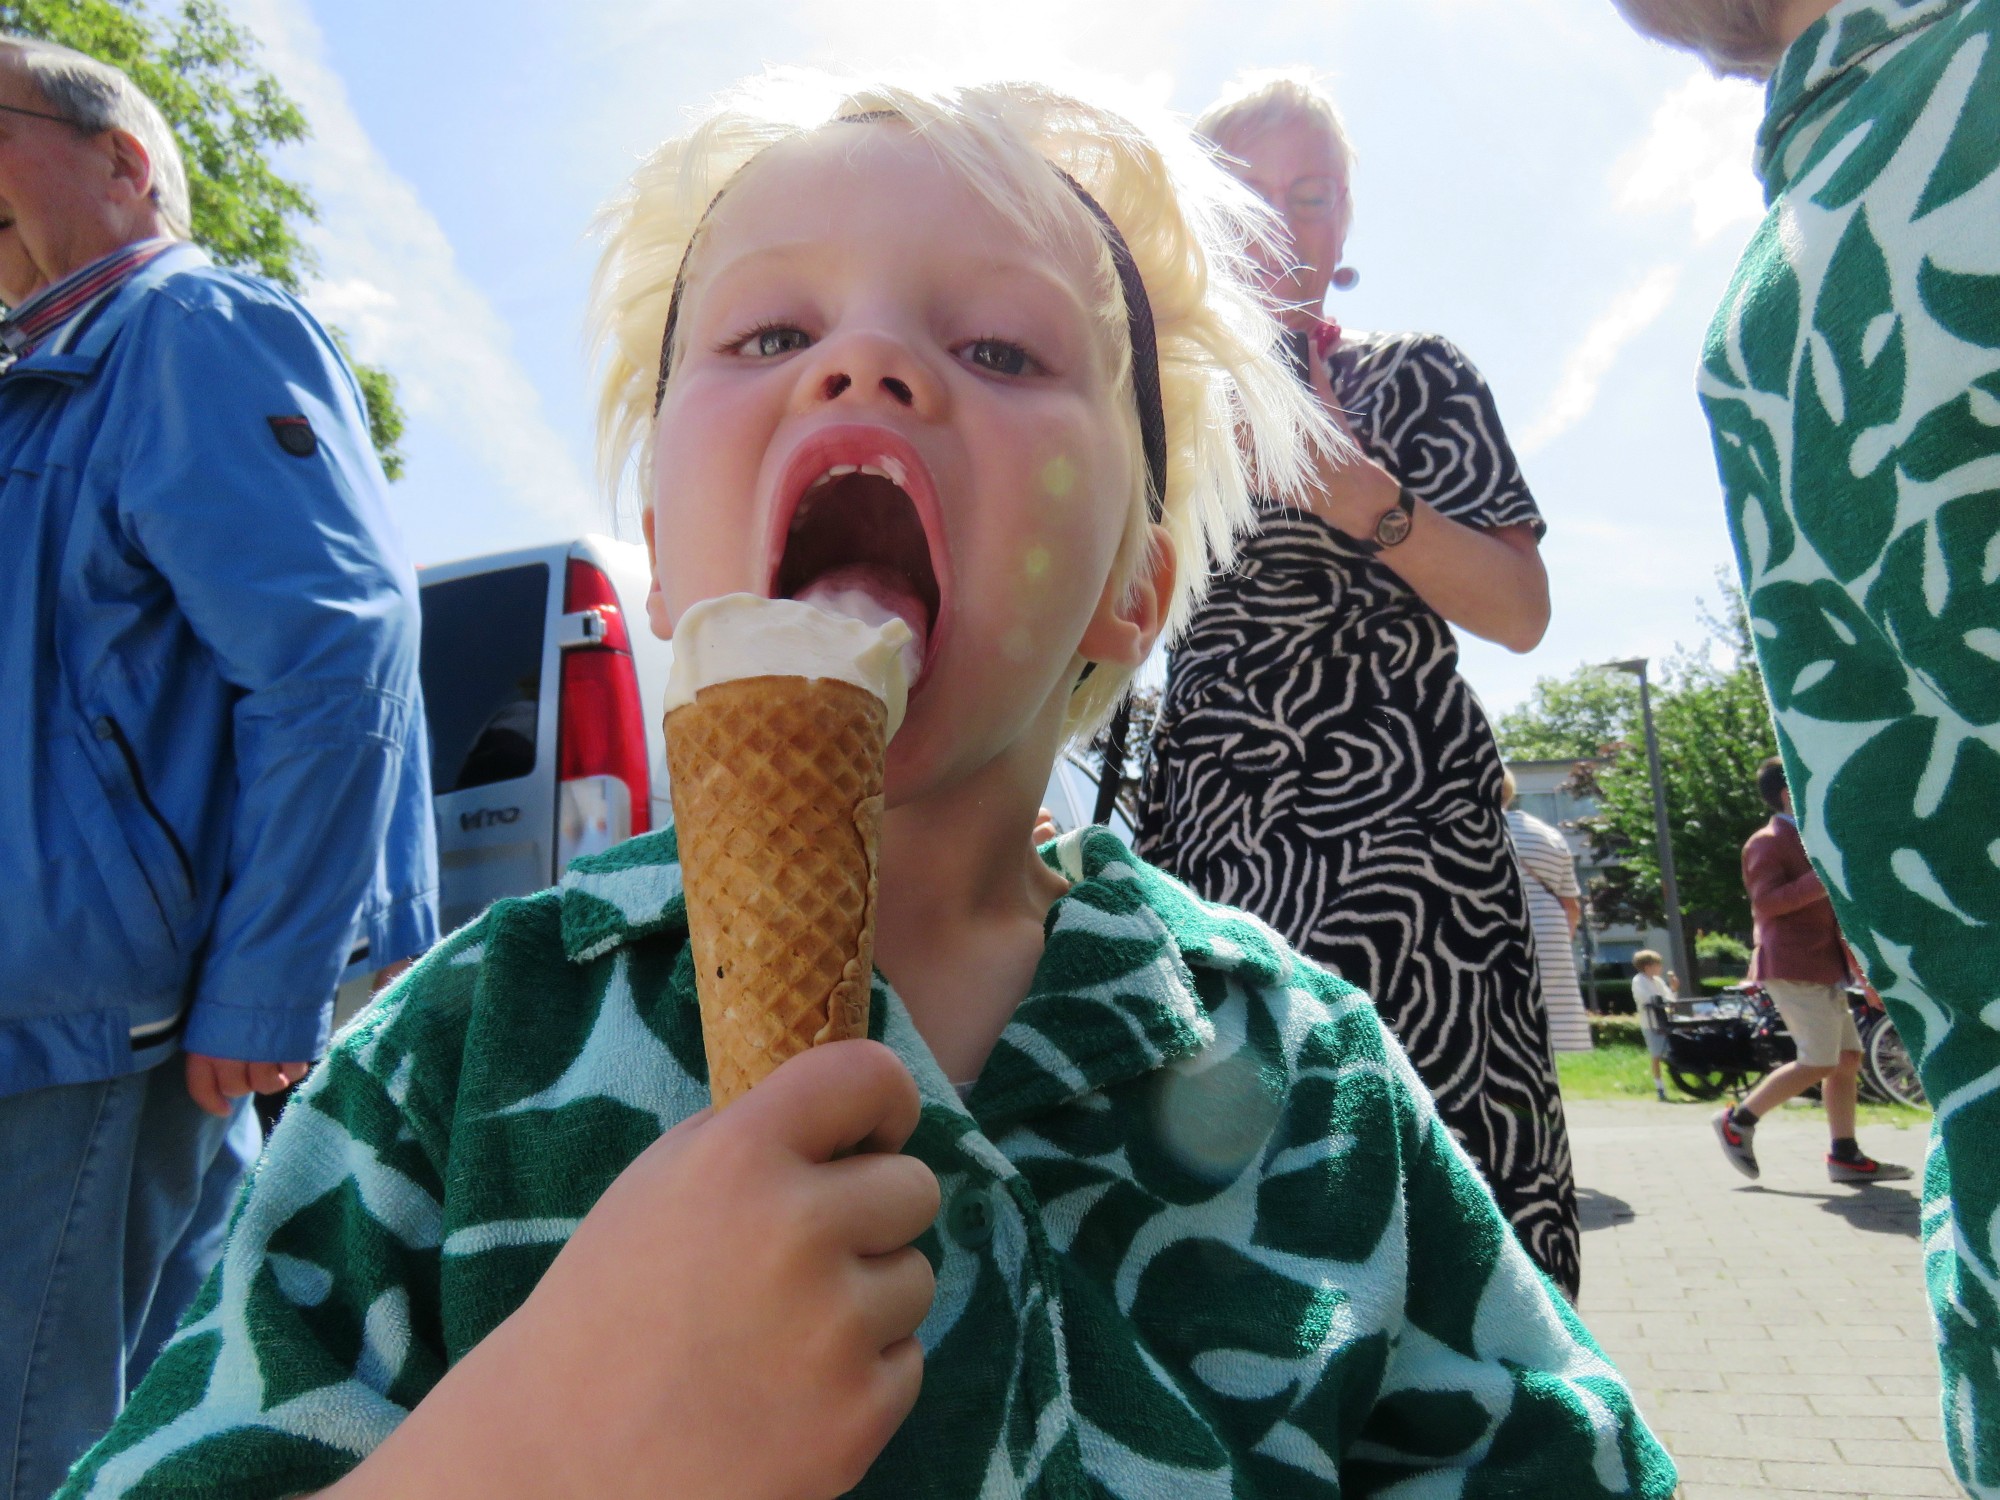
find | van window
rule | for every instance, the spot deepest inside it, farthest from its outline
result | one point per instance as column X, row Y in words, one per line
column 482, row 671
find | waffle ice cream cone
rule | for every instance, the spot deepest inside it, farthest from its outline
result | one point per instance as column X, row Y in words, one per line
column 777, row 794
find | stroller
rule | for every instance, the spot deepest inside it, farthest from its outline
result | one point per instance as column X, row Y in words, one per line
column 1720, row 1045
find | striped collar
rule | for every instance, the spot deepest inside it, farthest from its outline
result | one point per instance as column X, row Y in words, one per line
column 25, row 328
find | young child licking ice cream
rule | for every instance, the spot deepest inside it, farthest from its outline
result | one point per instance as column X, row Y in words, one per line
column 1124, row 1198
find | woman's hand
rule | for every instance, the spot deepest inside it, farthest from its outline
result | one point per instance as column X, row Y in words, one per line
column 1491, row 583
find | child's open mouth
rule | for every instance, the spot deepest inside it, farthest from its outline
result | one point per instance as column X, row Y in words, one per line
column 857, row 514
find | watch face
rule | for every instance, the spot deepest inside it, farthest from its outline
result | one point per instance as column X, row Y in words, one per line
column 1393, row 527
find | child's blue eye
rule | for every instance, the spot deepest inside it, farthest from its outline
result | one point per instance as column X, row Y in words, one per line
column 1000, row 357
column 769, row 343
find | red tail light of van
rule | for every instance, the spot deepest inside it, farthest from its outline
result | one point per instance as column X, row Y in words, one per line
column 604, row 790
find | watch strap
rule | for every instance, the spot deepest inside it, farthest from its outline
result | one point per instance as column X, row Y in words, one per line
column 1392, row 527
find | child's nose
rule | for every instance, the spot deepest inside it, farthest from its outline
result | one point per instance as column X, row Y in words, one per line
column 899, row 390
column 866, row 368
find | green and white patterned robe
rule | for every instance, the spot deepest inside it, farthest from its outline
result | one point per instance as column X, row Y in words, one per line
column 1203, row 1235
column 1852, row 378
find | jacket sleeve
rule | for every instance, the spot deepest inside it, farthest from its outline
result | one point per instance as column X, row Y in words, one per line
column 318, row 1330
column 1774, row 891
column 284, row 562
column 1493, row 1387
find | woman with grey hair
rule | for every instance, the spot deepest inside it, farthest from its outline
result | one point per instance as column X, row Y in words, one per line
column 1318, row 760
column 1736, row 38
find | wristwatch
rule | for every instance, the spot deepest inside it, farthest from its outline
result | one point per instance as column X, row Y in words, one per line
column 1393, row 527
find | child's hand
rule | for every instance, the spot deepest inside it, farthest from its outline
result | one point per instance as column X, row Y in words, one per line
column 734, row 1318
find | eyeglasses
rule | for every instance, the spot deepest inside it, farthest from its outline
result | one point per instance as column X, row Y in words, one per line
column 37, row 114
column 1313, row 198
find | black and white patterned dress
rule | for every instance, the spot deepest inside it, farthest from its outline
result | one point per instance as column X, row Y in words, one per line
column 1319, row 762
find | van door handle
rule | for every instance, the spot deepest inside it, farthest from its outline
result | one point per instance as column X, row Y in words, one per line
column 583, row 628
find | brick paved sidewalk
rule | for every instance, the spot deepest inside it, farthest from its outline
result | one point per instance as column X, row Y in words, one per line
column 1776, row 1332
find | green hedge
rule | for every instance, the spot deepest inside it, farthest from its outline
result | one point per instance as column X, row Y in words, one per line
column 1616, row 1031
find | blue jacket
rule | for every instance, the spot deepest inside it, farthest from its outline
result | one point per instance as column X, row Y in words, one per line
column 214, row 779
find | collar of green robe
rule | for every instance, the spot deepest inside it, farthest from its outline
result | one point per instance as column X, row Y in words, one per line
column 1132, row 965
column 1831, row 57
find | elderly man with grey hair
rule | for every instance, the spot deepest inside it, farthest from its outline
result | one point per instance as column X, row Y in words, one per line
column 1852, row 379
column 214, row 790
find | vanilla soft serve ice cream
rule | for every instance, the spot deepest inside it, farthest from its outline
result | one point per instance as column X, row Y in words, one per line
column 744, row 635
column 779, row 713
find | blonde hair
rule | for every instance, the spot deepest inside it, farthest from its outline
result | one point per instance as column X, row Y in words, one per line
column 1736, row 38
column 1645, row 958
column 1231, row 406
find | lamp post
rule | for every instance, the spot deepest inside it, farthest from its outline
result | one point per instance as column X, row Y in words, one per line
column 1669, row 888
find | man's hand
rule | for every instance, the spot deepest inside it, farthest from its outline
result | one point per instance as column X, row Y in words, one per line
column 1045, row 827
column 735, row 1317
column 216, row 1083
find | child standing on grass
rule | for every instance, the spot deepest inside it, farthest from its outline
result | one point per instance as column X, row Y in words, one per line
column 1653, row 998
column 1193, row 1229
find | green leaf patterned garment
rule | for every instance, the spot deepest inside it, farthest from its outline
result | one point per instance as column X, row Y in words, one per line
column 1852, row 378
column 1203, row 1235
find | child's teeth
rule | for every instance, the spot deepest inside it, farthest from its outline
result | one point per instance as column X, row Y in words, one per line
column 840, row 470
column 874, row 472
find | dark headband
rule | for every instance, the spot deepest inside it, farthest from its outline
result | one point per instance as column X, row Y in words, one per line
column 1138, row 322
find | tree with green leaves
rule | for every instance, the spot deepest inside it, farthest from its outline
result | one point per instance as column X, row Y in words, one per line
column 1714, row 728
column 1578, row 717
column 200, row 67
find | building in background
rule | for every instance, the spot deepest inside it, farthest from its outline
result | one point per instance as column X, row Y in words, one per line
column 1543, row 790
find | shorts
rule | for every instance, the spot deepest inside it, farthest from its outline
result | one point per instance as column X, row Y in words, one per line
column 1818, row 1018
column 1656, row 1042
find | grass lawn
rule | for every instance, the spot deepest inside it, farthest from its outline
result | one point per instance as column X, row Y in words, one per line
column 1617, row 1070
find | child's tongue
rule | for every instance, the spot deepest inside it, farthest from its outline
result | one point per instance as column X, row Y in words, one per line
column 875, row 596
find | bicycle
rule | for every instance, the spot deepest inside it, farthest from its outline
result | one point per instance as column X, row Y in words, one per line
column 1722, row 1045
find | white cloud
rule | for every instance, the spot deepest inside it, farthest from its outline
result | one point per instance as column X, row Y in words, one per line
column 1137, row 40
column 391, row 280
column 1696, row 156
column 1630, row 314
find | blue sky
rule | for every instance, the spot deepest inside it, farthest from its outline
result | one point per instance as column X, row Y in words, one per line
column 1560, row 198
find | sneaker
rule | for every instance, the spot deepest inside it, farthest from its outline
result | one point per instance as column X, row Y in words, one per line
column 1737, row 1143
column 1660, row 1092
column 1864, row 1169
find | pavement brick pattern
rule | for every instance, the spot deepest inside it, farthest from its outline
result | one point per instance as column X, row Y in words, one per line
column 1776, row 1334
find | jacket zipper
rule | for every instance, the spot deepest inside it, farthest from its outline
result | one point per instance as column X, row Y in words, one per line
column 116, row 735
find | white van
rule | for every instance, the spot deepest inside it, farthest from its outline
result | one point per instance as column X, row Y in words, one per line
column 542, row 686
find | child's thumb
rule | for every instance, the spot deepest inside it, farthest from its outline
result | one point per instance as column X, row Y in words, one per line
column 835, row 1099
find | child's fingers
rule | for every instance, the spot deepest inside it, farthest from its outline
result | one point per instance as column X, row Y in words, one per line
column 902, row 1371
column 844, row 1096
column 878, row 1202
column 897, row 1291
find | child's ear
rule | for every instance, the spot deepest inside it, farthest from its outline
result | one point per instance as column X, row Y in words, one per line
column 1129, row 620
column 656, row 602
